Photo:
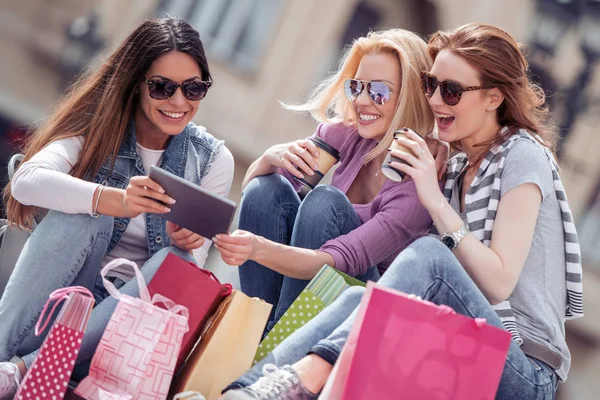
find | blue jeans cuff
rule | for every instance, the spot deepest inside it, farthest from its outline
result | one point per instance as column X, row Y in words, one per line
column 327, row 350
column 29, row 359
column 234, row 385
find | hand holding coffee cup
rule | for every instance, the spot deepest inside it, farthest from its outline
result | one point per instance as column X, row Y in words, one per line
column 327, row 158
column 397, row 145
column 420, row 165
column 299, row 157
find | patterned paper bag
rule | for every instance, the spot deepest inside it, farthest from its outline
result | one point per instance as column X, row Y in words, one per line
column 49, row 375
column 321, row 291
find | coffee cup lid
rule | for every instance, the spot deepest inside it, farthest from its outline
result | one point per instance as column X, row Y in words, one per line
column 327, row 147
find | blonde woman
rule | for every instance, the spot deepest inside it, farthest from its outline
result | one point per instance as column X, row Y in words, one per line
column 360, row 222
column 508, row 251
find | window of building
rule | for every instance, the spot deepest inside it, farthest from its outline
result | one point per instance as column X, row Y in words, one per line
column 236, row 32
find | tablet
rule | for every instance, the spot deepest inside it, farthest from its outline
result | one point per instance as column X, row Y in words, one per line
column 196, row 209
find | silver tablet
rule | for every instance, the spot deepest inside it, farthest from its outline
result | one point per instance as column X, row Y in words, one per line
column 196, row 209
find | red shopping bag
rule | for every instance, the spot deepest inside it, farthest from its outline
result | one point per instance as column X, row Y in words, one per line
column 401, row 347
column 49, row 375
column 196, row 289
column 136, row 356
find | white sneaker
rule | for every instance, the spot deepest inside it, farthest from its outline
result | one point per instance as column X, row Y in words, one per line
column 189, row 395
column 275, row 384
column 10, row 379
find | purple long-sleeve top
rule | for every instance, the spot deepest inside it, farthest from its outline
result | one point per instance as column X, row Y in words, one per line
column 392, row 221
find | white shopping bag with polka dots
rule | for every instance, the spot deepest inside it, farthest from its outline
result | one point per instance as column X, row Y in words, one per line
column 49, row 375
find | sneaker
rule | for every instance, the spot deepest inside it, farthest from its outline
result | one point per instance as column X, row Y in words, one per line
column 277, row 383
column 10, row 378
column 189, row 395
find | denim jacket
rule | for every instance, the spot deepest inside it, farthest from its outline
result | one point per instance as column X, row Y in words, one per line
column 188, row 155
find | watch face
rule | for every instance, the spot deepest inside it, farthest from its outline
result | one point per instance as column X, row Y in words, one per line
column 449, row 241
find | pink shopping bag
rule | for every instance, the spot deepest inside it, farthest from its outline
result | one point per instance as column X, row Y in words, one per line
column 201, row 295
column 49, row 375
column 401, row 347
column 136, row 356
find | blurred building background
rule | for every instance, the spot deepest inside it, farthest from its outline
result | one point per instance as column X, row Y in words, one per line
column 266, row 51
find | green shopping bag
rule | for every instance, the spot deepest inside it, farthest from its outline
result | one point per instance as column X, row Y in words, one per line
column 321, row 291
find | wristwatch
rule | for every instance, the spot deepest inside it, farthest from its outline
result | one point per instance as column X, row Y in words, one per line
column 452, row 239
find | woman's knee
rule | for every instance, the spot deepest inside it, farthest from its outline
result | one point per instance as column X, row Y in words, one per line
column 423, row 257
column 430, row 247
column 323, row 202
column 266, row 190
column 62, row 225
column 351, row 296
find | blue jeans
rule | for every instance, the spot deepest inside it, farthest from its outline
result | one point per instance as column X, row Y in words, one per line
column 428, row 269
column 271, row 208
column 64, row 250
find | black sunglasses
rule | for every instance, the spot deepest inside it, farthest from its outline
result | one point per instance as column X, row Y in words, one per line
column 378, row 91
column 450, row 91
column 163, row 88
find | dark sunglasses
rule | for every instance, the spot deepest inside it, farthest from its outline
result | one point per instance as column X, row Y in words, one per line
column 378, row 91
column 162, row 88
column 450, row 91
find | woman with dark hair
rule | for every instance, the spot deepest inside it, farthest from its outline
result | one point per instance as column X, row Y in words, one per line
column 508, row 250
column 88, row 164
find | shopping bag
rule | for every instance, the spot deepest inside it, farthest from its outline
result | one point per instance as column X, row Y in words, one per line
column 401, row 347
column 320, row 292
column 226, row 347
column 136, row 356
column 196, row 289
column 48, row 376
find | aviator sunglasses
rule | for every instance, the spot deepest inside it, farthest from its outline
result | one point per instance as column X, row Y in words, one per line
column 450, row 91
column 163, row 88
column 378, row 91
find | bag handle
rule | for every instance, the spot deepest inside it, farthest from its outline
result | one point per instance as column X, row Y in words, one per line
column 110, row 287
column 143, row 288
column 13, row 163
column 227, row 288
column 206, row 272
column 170, row 305
column 58, row 296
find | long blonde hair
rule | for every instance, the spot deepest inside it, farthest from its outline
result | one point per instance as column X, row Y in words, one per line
column 327, row 103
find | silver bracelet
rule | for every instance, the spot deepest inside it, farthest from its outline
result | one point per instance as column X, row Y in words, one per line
column 95, row 212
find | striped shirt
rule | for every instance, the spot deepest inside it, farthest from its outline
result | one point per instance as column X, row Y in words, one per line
column 481, row 205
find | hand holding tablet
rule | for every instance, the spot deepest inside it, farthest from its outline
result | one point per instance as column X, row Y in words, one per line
column 196, row 209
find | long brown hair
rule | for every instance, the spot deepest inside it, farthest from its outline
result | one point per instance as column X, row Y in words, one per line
column 501, row 64
column 100, row 105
